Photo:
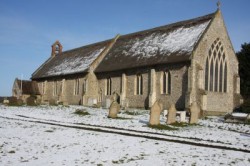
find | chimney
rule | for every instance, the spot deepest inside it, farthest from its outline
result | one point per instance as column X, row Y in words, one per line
column 56, row 48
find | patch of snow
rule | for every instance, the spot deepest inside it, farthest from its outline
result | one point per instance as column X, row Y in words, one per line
column 237, row 114
column 210, row 131
column 74, row 64
column 26, row 143
column 181, row 40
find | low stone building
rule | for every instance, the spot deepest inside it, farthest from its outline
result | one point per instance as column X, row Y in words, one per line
column 22, row 89
column 181, row 63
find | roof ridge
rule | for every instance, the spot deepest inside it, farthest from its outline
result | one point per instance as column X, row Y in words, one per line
column 174, row 24
column 88, row 45
column 208, row 16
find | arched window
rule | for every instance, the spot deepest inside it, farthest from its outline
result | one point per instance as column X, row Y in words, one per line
column 109, row 86
column 216, row 68
column 139, row 84
column 166, row 82
column 77, row 87
column 84, row 86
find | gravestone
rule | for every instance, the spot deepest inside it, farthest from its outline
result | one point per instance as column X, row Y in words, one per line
column 108, row 103
column 115, row 96
column 171, row 114
column 114, row 109
column 195, row 113
column 155, row 113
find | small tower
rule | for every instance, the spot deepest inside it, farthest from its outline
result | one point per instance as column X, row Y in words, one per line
column 56, row 48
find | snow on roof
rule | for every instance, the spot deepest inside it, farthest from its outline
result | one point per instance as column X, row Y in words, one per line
column 70, row 62
column 180, row 40
column 74, row 64
column 171, row 43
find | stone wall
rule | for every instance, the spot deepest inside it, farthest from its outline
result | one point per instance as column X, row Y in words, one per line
column 216, row 101
column 179, row 80
column 65, row 90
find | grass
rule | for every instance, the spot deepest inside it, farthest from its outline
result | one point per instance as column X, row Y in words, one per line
column 121, row 118
column 161, row 127
column 12, row 151
column 81, row 112
column 248, row 122
column 182, row 124
column 132, row 113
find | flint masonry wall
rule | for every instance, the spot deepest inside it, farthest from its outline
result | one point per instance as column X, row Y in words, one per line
column 179, row 84
column 65, row 90
column 133, row 100
column 179, row 80
column 217, row 102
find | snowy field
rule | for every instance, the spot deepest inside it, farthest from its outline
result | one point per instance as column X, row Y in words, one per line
column 25, row 140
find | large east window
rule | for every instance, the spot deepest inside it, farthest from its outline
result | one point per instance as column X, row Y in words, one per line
column 216, row 68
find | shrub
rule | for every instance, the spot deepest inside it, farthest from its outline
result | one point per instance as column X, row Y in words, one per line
column 13, row 101
column 81, row 112
column 245, row 107
column 19, row 102
column 31, row 101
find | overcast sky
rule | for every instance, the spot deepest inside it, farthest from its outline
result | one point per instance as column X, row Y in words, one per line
column 28, row 28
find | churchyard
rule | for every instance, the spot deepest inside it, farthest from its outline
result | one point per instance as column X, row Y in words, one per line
column 77, row 135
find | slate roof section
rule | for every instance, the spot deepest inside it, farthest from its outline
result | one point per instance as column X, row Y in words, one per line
column 70, row 62
column 166, row 44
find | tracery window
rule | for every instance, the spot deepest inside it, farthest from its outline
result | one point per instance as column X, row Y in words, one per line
column 216, row 68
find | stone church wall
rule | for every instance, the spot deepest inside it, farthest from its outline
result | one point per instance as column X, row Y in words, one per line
column 179, row 84
column 217, row 102
column 65, row 90
column 179, row 80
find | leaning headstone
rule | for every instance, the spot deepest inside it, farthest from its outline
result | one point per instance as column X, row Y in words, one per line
column 171, row 115
column 195, row 112
column 155, row 113
column 114, row 109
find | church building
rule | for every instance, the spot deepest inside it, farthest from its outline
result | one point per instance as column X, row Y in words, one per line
column 181, row 63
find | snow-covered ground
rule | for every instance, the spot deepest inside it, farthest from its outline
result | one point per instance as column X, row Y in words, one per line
column 29, row 143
